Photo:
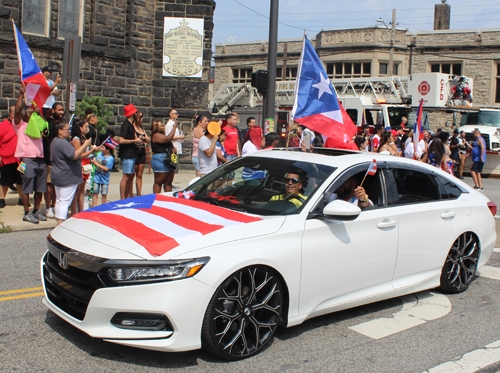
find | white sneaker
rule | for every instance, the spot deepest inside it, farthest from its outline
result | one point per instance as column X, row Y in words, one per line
column 49, row 213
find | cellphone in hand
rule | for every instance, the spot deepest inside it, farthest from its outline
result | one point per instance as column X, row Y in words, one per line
column 307, row 140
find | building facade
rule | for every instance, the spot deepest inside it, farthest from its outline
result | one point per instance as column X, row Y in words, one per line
column 122, row 51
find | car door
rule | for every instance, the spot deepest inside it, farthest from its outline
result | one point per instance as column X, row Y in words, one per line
column 427, row 223
column 347, row 260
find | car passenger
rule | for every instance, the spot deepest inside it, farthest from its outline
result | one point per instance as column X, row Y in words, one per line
column 349, row 191
column 293, row 184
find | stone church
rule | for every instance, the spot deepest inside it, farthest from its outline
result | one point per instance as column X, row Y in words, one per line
column 121, row 51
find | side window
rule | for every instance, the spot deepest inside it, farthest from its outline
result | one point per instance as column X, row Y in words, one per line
column 414, row 187
column 341, row 188
column 449, row 190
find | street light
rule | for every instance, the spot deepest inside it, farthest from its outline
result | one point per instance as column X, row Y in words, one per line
column 392, row 30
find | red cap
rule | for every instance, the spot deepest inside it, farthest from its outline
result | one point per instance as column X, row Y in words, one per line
column 129, row 110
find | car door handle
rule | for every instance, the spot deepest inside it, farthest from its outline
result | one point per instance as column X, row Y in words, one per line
column 448, row 214
column 387, row 224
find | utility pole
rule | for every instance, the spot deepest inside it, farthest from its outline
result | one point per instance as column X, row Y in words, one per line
column 283, row 69
column 270, row 99
column 391, row 54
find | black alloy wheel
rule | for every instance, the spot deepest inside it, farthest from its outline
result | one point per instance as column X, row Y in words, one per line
column 461, row 264
column 243, row 314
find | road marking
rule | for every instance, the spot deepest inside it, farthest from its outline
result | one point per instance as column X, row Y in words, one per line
column 417, row 309
column 32, row 292
column 471, row 361
column 20, row 290
column 496, row 250
column 490, row 272
column 21, row 296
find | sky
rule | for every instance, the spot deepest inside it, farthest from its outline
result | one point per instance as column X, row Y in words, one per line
column 240, row 21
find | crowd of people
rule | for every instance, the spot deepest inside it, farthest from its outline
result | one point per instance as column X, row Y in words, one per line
column 68, row 163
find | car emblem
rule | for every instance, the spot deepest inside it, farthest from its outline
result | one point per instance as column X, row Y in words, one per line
column 63, row 261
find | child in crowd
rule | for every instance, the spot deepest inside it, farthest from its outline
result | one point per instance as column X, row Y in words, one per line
column 104, row 163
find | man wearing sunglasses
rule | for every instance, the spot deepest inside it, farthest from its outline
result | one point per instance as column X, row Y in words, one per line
column 293, row 187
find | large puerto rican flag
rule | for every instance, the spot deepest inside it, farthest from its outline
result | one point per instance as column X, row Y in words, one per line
column 37, row 89
column 417, row 127
column 160, row 223
column 316, row 105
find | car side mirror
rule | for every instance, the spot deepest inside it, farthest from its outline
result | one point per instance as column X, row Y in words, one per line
column 341, row 210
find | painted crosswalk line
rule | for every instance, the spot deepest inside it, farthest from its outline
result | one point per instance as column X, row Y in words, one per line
column 496, row 250
column 471, row 361
column 417, row 310
column 489, row 272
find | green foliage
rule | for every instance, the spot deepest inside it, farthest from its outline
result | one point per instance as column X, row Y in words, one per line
column 98, row 104
column 5, row 228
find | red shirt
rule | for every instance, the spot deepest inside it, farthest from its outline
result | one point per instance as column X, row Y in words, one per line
column 8, row 143
column 231, row 142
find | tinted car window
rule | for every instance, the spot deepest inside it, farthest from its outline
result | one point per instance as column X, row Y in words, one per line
column 449, row 190
column 414, row 187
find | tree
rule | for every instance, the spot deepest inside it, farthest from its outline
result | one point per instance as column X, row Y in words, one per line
column 98, row 104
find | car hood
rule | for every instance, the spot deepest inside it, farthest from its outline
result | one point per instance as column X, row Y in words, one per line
column 158, row 227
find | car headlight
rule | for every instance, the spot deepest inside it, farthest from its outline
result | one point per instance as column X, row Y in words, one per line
column 162, row 271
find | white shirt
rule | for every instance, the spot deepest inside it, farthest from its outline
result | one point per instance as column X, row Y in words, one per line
column 176, row 143
column 51, row 99
column 249, row 148
column 207, row 164
column 302, row 136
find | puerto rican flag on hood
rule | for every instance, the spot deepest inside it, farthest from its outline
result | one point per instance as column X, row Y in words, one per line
column 159, row 223
column 316, row 105
column 37, row 88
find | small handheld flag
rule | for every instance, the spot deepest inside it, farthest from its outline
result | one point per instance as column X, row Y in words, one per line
column 37, row 88
column 372, row 170
column 417, row 128
column 111, row 143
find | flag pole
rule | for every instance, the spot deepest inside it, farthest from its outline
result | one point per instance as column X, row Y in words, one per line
column 296, row 90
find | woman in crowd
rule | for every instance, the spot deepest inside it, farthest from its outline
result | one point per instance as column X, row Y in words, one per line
column 361, row 143
column 140, row 148
column 220, row 150
column 198, row 132
column 80, row 130
column 252, row 141
column 272, row 140
column 160, row 144
column 385, row 141
column 66, row 171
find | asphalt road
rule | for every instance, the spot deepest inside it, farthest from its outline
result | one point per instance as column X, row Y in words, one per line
column 33, row 339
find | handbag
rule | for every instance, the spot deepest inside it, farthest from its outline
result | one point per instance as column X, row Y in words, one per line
column 170, row 159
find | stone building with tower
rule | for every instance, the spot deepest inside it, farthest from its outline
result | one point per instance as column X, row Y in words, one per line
column 122, row 54
column 365, row 53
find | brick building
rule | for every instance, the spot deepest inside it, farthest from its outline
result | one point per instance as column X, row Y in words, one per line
column 122, row 51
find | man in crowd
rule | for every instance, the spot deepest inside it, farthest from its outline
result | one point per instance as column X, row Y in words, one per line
column 464, row 146
column 9, row 174
column 127, row 151
column 232, row 143
column 424, row 143
column 251, row 122
column 54, row 92
column 376, row 138
column 455, row 151
column 30, row 152
column 293, row 189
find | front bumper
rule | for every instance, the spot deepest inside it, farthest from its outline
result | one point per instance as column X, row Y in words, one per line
column 183, row 302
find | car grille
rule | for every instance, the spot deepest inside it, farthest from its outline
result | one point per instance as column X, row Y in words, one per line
column 69, row 288
column 469, row 137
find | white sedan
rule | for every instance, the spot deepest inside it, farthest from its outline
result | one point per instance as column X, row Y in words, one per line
column 270, row 239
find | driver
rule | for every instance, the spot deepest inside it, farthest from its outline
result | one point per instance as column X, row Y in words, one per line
column 293, row 185
column 349, row 191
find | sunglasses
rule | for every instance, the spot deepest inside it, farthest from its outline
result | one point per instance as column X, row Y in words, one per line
column 291, row 179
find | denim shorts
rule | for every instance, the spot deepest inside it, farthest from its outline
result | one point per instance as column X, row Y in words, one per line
column 158, row 163
column 128, row 166
column 102, row 187
column 196, row 163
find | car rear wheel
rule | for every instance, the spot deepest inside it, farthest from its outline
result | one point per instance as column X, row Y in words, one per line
column 243, row 314
column 461, row 264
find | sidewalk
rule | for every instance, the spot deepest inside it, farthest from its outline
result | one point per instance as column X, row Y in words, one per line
column 12, row 214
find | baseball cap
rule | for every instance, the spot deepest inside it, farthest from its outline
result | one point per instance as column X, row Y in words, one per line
column 46, row 68
column 456, row 130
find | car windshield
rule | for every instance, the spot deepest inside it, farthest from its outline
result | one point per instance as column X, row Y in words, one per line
column 484, row 118
column 259, row 185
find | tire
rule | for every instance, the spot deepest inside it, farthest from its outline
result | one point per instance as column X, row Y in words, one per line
column 461, row 264
column 243, row 314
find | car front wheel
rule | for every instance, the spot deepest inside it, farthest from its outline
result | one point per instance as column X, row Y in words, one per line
column 461, row 264
column 243, row 314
